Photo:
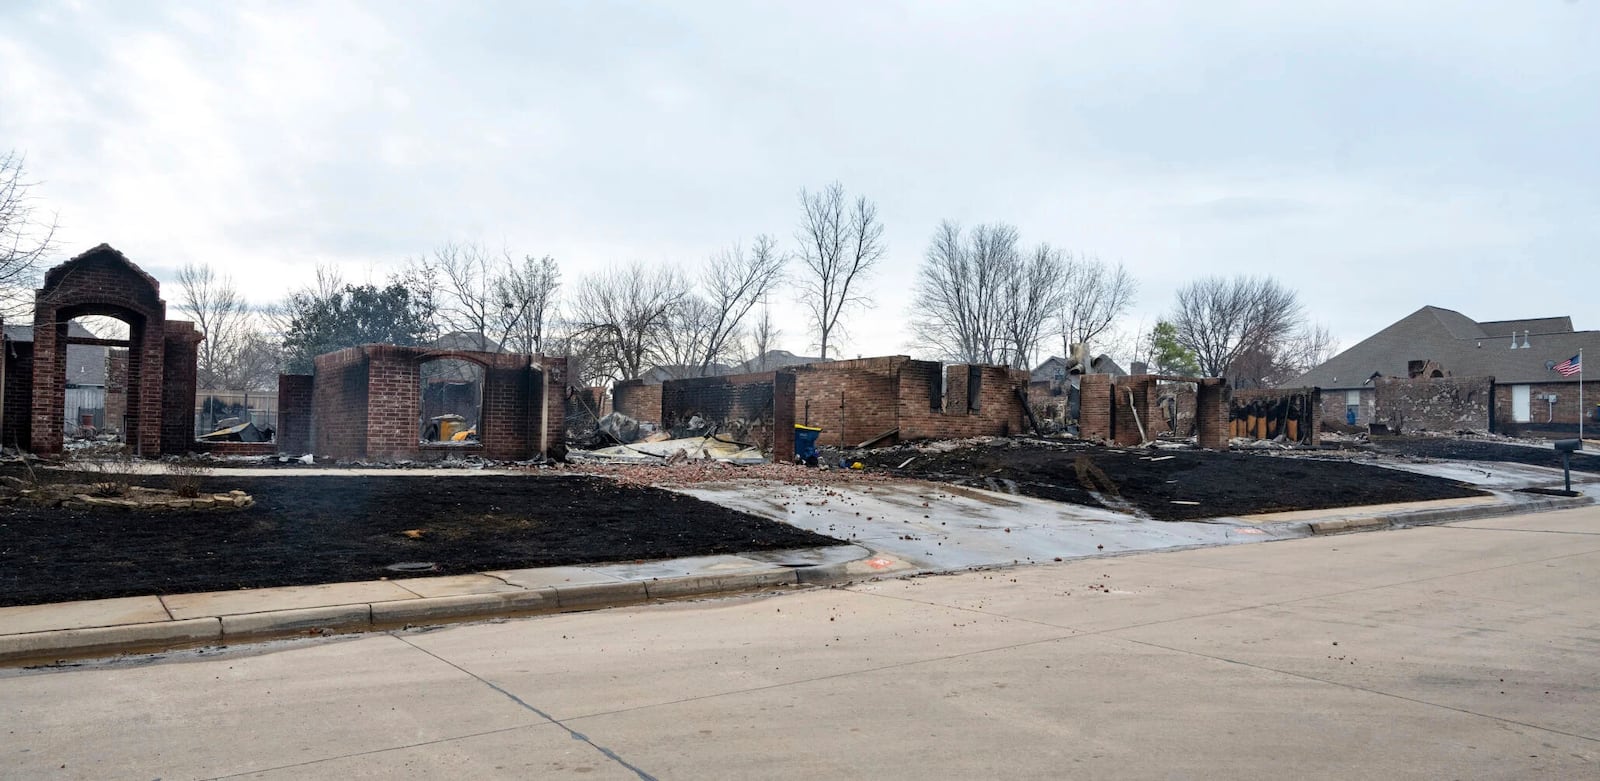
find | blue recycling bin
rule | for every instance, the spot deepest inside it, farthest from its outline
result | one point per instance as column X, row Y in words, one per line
column 805, row 443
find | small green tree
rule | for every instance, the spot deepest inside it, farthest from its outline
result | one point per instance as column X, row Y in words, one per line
column 1168, row 355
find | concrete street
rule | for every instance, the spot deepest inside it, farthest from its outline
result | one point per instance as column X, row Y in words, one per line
column 1470, row 650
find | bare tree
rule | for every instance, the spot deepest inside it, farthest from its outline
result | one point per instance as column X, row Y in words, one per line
column 620, row 318
column 684, row 343
column 1097, row 296
column 979, row 300
column 1221, row 320
column 527, row 293
column 217, row 309
column 258, row 360
column 1034, row 290
column 1275, row 364
column 26, row 237
column 465, row 277
column 764, row 334
column 734, row 281
column 840, row 243
column 960, row 302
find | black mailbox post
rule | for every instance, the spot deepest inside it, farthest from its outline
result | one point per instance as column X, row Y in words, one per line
column 1566, row 447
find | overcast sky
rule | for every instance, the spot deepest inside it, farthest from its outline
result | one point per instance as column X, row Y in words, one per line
column 1375, row 156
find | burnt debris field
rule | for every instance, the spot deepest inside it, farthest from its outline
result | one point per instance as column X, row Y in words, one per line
column 324, row 529
column 1167, row 485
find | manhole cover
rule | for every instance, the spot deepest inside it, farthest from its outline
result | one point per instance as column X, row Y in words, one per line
column 413, row 566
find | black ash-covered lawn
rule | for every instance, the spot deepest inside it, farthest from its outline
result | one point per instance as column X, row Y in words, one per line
column 324, row 529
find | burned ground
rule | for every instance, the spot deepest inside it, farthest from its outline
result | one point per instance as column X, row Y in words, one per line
column 1217, row 484
column 1482, row 450
column 317, row 529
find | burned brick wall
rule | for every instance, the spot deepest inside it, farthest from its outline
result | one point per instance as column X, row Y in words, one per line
column 892, row 399
column 920, row 395
column 339, row 403
column 367, row 403
column 1108, row 407
column 1095, row 421
column 1449, row 405
column 505, row 427
column 753, row 408
column 394, row 401
column 1294, row 414
column 1348, row 408
column 15, row 425
column 1212, row 399
column 294, row 413
column 637, row 400
column 851, row 401
column 1132, row 402
column 998, row 409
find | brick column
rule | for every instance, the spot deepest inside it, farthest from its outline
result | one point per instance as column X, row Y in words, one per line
column 553, row 422
column 294, row 413
column 1211, row 414
column 1094, row 407
column 180, row 353
column 49, row 387
column 394, row 404
column 783, row 385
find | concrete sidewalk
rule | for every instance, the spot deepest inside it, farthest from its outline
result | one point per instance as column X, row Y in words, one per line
column 1456, row 651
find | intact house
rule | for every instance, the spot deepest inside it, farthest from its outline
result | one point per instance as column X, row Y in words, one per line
column 1437, row 369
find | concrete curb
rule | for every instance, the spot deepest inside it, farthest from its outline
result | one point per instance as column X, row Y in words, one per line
column 304, row 620
column 1450, row 515
column 698, row 585
column 1348, row 525
column 62, row 644
column 432, row 610
column 593, row 596
column 56, row 644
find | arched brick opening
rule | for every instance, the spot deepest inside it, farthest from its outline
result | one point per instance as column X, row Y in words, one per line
column 454, row 386
column 161, row 353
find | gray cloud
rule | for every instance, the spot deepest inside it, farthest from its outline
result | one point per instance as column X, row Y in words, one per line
column 1377, row 156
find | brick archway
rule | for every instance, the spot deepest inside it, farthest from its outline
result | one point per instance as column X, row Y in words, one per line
column 161, row 352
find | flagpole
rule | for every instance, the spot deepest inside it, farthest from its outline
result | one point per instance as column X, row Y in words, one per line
column 1581, row 409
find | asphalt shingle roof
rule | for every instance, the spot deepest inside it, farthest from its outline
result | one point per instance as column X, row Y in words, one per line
column 1462, row 346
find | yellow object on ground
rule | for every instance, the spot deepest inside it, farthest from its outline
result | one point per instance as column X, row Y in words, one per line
column 461, row 436
column 858, row 465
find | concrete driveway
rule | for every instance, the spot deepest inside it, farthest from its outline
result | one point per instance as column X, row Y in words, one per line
column 1459, row 651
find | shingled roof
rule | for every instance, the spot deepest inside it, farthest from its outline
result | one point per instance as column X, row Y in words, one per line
column 1462, row 346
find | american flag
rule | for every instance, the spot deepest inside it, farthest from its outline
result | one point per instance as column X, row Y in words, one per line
column 1570, row 366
